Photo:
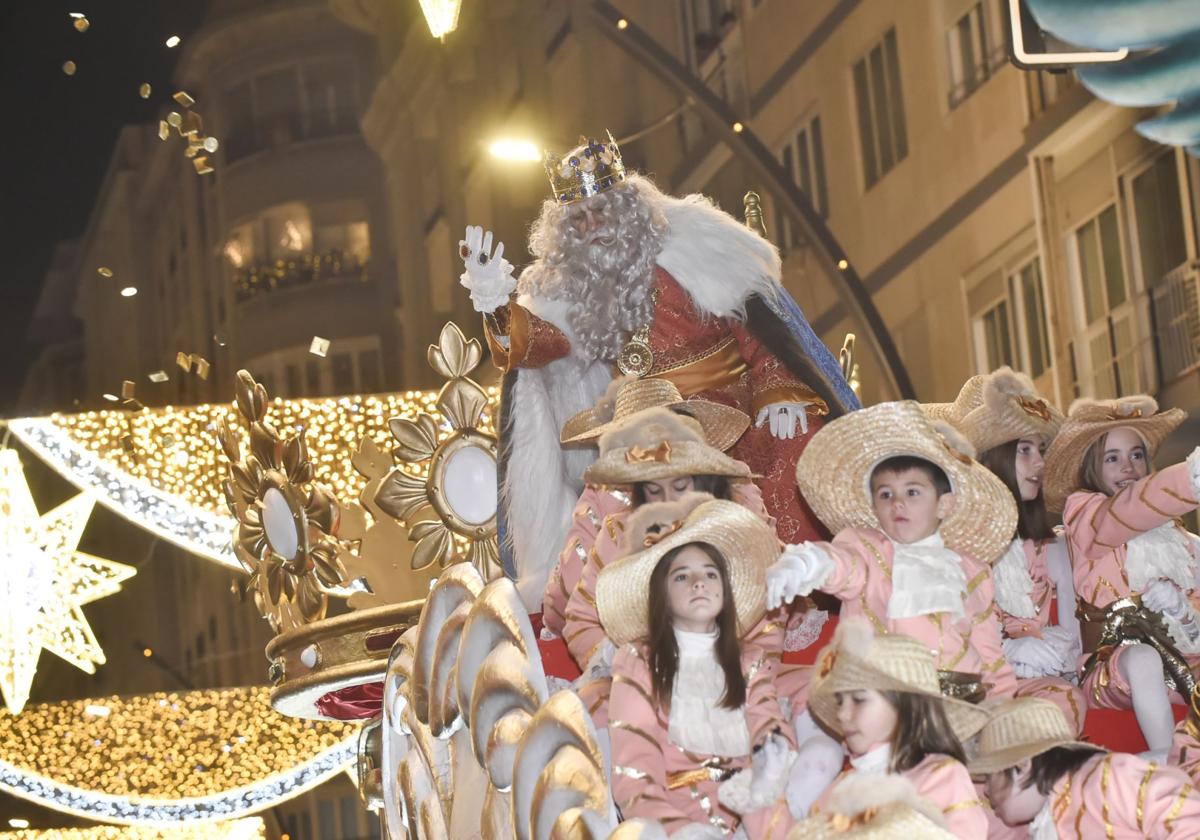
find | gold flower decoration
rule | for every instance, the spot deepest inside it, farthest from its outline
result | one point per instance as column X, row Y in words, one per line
column 287, row 524
column 453, row 478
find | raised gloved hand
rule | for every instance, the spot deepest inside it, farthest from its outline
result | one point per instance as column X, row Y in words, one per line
column 1165, row 597
column 1034, row 657
column 488, row 277
column 763, row 782
column 798, row 571
column 784, row 417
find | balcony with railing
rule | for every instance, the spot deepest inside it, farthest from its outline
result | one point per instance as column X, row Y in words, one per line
column 302, row 270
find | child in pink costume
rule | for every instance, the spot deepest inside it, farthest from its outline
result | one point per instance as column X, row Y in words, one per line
column 699, row 741
column 721, row 424
column 1041, row 780
column 1127, row 552
column 882, row 696
column 917, row 522
column 1011, row 427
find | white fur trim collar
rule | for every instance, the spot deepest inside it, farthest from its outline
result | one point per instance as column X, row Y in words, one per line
column 1014, row 585
column 717, row 260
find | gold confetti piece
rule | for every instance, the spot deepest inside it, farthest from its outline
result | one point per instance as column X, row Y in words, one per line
column 127, row 443
column 69, row 68
column 201, row 366
column 184, row 361
column 211, row 144
column 104, row 271
column 319, row 346
column 76, row 15
column 168, row 440
column 182, row 97
column 144, row 90
column 193, row 149
column 219, row 340
column 133, row 405
column 112, row 397
column 158, row 376
column 173, row 42
column 81, row 23
column 201, row 164
column 164, row 130
column 127, row 389
column 175, row 119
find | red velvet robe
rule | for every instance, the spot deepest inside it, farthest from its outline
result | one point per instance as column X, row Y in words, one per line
column 718, row 359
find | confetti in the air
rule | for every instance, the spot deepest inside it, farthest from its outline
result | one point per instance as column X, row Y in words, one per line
column 69, row 68
column 158, row 376
column 173, row 42
column 104, row 271
column 144, row 90
column 319, row 346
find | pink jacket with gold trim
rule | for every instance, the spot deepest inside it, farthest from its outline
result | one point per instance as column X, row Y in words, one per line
column 862, row 580
column 594, row 506
column 944, row 781
column 655, row 779
column 1099, row 526
column 1120, row 795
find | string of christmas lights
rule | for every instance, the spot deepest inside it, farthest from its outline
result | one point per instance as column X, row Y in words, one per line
column 168, row 757
column 247, row 828
column 162, row 469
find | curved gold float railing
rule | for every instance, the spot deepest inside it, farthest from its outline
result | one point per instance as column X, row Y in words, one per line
column 469, row 718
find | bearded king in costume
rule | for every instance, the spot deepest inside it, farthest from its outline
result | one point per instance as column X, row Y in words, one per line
column 629, row 280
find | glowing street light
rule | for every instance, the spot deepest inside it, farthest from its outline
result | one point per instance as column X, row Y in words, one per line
column 515, row 150
column 441, row 15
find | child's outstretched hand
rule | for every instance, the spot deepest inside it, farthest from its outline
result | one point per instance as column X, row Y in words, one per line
column 798, row 571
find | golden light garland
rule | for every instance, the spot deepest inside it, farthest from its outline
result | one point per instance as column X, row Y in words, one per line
column 45, row 582
column 247, row 828
column 160, row 467
column 217, row 753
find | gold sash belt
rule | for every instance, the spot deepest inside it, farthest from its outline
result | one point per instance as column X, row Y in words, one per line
column 962, row 685
column 1126, row 622
column 720, row 367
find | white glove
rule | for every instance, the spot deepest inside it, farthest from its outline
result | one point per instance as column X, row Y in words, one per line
column 798, row 571
column 784, row 417
column 1034, row 657
column 699, row 831
column 1067, row 644
column 1165, row 597
column 763, row 782
column 600, row 665
column 488, row 277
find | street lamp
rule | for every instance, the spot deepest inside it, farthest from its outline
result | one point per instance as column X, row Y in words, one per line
column 515, row 149
column 441, row 15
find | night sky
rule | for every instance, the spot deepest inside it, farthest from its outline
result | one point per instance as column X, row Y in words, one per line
column 58, row 131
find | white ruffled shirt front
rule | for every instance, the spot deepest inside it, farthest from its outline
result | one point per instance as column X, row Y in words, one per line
column 1042, row 827
column 873, row 763
column 927, row 578
column 1014, row 584
column 698, row 722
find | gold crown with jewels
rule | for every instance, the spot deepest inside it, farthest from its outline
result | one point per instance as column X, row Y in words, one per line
column 589, row 169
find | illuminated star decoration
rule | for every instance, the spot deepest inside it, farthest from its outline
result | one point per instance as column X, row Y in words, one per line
column 44, row 583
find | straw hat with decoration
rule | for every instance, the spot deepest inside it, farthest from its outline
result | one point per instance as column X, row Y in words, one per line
column 834, row 475
column 998, row 407
column 870, row 807
column 627, row 395
column 1017, row 729
column 654, row 444
column 858, row 659
column 747, row 543
column 1089, row 420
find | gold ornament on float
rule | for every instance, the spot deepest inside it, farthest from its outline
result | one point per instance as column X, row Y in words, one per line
column 287, row 523
column 453, row 477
